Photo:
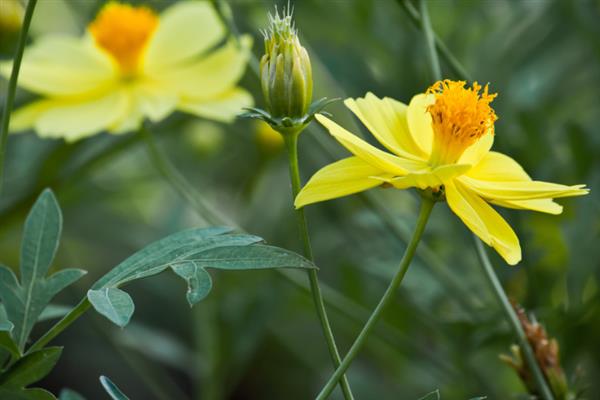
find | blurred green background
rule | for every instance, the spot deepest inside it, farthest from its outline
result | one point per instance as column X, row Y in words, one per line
column 257, row 336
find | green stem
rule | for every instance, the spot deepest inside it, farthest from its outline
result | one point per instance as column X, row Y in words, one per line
column 12, row 85
column 291, row 141
column 485, row 262
column 60, row 326
column 426, row 207
column 513, row 319
column 434, row 62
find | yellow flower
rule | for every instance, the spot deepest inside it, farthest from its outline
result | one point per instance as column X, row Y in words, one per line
column 441, row 141
column 130, row 65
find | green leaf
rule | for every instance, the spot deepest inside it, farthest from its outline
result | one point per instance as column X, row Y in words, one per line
column 435, row 395
column 113, row 303
column 31, row 368
column 188, row 253
column 198, row 280
column 7, row 342
column 5, row 324
column 25, row 394
column 25, row 301
column 251, row 257
column 114, row 392
column 68, row 394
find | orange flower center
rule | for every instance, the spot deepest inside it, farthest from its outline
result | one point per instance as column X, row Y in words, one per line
column 123, row 31
column 460, row 116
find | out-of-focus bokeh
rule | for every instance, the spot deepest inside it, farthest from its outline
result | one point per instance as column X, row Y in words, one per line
column 256, row 336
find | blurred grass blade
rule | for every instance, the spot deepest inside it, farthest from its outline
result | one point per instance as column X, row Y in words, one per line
column 113, row 391
column 113, row 303
column 30, row 368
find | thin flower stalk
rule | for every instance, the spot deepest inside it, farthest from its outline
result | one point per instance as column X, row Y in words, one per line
column 291, row 141
column 426, row 207
column 12, row 85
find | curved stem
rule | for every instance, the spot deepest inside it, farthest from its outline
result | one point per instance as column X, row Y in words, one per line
column 12, row 85
column 513, row 319
column 291, row 142
column 61, row 325
column 426, row 207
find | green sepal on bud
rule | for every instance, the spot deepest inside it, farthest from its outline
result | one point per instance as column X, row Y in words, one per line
column 286, row 78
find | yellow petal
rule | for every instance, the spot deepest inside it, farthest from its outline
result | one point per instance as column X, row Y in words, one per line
column 59, row 65
column 522, row 190
column 154, row 101
column 185, row 30
column 210, row 76
column 496, row 166
column 484, row 221
column 477, row 151
column 377, row 158
column 224, row 108
column 429, row 178
column 24, row 118
column 344, row 177
column 542, row 205
column 419, row 121
column 74, row 120
column 386, row 119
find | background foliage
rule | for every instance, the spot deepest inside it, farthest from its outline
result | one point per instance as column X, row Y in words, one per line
column 256, row 336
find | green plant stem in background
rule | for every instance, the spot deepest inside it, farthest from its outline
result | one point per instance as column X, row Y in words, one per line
column 426, row 207
column 513, row 319
column 291, row 142
column 457, row 68
column 61, row 325
column 12, row 85
column 434, row 62
column 489, row 271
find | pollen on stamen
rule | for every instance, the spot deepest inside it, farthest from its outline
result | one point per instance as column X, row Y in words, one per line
column 123, row 31
column 460, row 116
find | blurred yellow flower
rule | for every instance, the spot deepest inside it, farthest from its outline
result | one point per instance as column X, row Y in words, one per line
column 130, row 65
column 441, row 141
column 268, row 139
column 11, row 15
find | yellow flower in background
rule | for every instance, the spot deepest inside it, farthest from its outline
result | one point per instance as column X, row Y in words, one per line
column 440, row 141
column 130, row 65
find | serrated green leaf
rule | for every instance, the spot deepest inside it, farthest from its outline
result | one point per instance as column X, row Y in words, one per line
column 25, row 394
column 198, row 280
column 31, row 368
column 113, row 303
column 113, row 391
column 68, row 394
column 188, row 253
column 25, row 301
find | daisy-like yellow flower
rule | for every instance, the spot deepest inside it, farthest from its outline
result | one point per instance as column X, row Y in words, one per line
column 440, row 141
column 132, row 64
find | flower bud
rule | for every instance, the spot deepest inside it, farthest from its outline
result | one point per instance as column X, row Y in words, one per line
column 285, row 70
